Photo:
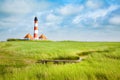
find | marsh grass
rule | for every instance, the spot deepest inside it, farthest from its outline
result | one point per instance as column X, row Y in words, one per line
column 18, row 60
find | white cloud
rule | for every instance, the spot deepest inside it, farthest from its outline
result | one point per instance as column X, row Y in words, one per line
column 70, row 9
column 101, row 12
column 42, row 5
column 115, row 20
column 14, row 21
column 94, row 15
column 11, row 19
column 77, row 19
column 51, row 17
column 93, row 4
column 24, row 6
column 51, row 20
column 16, row 6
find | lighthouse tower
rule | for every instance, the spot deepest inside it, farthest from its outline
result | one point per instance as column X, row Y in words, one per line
column 35, row 29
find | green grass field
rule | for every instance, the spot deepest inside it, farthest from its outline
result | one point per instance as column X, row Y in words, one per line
column 18, row 60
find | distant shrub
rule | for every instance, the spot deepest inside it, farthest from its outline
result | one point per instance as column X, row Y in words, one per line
column 12, row 39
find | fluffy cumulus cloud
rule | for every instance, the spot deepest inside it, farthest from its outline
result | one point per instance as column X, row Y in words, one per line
column 51, row 17
column 70, row 9
column 58, row 18
column 115, row 20
column 16, row 6
column 94, row 4
column 92, row 17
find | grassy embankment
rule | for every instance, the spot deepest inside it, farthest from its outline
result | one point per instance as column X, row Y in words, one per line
column 18, row 60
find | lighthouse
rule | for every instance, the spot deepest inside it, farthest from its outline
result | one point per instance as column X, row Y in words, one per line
column 35, row 29
column 35, row 35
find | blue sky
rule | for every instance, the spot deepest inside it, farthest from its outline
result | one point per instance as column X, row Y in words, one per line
column 81, row 20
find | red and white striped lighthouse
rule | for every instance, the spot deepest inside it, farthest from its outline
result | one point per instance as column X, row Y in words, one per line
column 35, row 29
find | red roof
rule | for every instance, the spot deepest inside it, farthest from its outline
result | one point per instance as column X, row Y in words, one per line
column 28, row 36
column 43, row 37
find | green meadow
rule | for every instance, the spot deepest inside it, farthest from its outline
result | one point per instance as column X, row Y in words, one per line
column 18, row 60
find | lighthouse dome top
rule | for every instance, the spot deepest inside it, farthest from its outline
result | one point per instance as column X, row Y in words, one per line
column 35, row 19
